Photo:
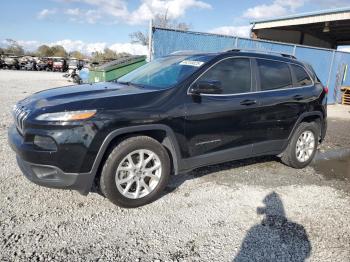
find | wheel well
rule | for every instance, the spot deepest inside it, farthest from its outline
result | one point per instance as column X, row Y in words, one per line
column 317, row 120
column 159, row 135
column 312, row 118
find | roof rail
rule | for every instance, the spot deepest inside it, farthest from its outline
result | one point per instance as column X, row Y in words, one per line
column 186, row 52
column 262, row 52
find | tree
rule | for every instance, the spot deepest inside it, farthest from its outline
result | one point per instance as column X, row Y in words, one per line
column 107, row 55
column 56, row 50
column 163, row 21
column 59, row 50
column 77, row 55
column 44, row 51
column 13, row 47
column 159, row 21
column 139, row 37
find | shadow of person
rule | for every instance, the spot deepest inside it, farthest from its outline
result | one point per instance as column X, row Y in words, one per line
column 276, row 238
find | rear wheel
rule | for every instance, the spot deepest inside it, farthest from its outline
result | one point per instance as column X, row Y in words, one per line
column 136, row 172
column 303, row 145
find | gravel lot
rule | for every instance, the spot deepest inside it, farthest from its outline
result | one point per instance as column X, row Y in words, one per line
column 243, row 211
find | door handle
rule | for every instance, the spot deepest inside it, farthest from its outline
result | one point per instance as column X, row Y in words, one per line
column 248, row 102
column 298, row 97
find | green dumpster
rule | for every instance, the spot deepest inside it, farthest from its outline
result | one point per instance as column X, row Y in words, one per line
column 115, row 69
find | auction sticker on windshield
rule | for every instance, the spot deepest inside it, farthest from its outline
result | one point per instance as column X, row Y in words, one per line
column 192, row 63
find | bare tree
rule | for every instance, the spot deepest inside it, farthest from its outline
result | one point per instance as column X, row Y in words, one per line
column 161, row 21
column 139, row 37
column 13, row 47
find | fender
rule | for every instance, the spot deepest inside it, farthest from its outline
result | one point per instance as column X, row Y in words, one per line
column 300, row 119
column 170, row 143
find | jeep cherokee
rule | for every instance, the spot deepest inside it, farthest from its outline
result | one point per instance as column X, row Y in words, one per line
column 174, row 114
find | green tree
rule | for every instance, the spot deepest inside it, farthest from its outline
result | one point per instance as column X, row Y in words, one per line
column 44, row 51
column 107, row 55
column 56, row 50
column 59, row 50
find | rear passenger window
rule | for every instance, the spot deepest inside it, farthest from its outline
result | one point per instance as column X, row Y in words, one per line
column 234, row 75
column 274, row 75
column 302, row 78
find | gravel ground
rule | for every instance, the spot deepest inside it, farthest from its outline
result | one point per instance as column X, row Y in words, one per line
column 257, row 209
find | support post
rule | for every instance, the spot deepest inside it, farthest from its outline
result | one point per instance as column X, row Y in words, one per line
column 150, row 40
column 330, row 76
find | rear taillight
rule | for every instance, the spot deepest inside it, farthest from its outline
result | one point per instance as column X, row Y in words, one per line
column 325, row 88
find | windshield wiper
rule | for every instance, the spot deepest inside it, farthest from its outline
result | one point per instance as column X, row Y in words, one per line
column 132, row 84
column 124, row 83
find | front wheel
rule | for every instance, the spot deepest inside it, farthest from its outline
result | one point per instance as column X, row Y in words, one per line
column 136, row 172
column 302, row 146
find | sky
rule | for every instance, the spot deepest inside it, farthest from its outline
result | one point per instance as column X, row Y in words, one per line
column 92, row 25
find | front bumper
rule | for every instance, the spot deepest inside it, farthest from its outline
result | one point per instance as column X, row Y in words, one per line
column 44, row 167
column 53, row 177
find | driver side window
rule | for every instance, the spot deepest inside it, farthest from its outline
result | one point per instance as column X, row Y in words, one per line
column 234, row 74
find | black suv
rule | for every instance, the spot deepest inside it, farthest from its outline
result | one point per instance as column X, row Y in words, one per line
column 172, row 115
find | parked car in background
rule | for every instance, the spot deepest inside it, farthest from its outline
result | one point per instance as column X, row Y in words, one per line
column 172, row 115
column 59, row 65
column 74, row 63
column 28, row 63
column 42, row 64
column 11, row 62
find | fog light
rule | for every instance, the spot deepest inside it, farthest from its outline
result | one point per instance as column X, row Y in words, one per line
column 45, row 142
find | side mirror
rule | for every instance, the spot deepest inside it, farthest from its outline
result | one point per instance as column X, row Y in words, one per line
column 206, row 87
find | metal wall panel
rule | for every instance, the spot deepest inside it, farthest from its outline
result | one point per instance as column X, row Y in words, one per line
column 331, row 66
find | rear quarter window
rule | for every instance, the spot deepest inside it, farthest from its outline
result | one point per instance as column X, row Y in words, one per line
column 301, row 76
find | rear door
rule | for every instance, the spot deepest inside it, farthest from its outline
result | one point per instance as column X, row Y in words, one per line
column 284, row 92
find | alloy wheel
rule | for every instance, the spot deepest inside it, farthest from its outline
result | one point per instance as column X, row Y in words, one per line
column 138, row 174
column 305, row 146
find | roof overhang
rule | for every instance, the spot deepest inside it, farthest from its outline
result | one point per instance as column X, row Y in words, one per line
column 329, row 28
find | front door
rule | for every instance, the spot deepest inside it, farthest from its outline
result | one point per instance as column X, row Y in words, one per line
column 220, row 125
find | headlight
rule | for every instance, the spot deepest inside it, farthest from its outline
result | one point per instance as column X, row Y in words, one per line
column 67, row 116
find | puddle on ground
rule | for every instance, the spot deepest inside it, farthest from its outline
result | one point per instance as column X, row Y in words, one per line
column 333, row 164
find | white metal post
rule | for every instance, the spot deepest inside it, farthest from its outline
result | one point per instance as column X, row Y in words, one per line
column 150, row 42
column 330, row 69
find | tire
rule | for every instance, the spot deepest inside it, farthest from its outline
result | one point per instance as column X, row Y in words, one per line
column 290, row 155
column 119, row 157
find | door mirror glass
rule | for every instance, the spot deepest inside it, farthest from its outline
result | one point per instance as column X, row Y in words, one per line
column 206, row 87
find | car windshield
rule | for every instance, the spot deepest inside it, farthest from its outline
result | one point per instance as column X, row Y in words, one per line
column 165, row 72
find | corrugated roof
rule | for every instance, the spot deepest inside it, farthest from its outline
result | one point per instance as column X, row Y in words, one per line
column 307, row 14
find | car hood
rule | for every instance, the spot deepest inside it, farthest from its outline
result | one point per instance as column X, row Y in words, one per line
column 84, row 96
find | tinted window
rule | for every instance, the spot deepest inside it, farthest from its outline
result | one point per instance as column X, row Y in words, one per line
column 302, row 78
column 234, row 75
column 274, row 75
column 164, row 72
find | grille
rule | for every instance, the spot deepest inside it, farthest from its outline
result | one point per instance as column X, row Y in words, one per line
column 20, row 114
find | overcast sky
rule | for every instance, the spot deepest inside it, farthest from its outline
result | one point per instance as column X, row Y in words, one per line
column 92, row 25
